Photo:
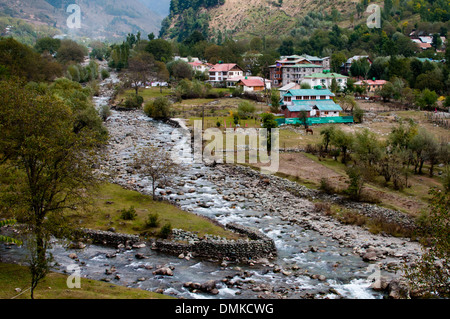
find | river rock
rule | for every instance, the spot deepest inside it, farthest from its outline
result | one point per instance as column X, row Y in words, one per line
column 370, row 256
column 209, row 287
column 164, row 271
column 398, row 289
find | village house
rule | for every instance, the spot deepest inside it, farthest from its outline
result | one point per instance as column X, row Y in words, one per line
column 371, row 85
column 219, row 73
column 251, row 85
column 325, row 79
column 294, row 68
column 315, row 102
column 233, row 81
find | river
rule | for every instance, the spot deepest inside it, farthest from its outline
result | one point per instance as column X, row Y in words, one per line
column 309, row 263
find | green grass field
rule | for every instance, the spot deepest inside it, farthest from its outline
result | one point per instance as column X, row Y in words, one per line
column 54, row 286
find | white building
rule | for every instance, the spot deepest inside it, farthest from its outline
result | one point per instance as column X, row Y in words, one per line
column 325, row 79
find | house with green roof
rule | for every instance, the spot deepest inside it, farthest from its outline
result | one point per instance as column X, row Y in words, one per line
column 317, row 103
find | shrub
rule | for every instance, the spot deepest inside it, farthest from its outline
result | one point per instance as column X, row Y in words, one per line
column 128, row 214
column 105, row 74
column 105, row 112
column 152, row 220
column 158, row 109
column 325, row 186
column 323, row 207
column 165, row 231
column 356, row 183
column 134, row 101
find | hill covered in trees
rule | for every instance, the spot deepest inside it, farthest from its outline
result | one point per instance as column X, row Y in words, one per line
column 218, row 19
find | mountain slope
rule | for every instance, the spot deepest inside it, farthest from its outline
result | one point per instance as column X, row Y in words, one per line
column 250, row 17
column 102, row 19
column 160, row 7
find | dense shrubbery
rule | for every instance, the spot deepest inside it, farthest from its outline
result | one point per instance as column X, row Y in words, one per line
column 159, row 109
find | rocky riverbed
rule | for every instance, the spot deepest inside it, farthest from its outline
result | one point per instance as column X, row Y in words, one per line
column 317, row 257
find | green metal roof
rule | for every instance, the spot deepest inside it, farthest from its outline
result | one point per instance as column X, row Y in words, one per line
column 309, row 92
column 307, row 105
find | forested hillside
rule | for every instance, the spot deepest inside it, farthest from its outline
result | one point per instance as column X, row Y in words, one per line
column 218, row 19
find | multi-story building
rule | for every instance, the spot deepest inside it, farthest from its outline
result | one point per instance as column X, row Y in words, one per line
column 325, row 79
column 294, row 68
column 219, row 73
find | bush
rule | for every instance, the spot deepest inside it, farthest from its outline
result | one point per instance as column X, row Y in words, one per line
column 105, row 112
column 128, row 214
column 134, row 101
column 356, row 183
column 246, row 109
column 105, row 74
column 152, row 220
column 358, row 114
column 165, row 231
column 326, row 187
column 158, row 109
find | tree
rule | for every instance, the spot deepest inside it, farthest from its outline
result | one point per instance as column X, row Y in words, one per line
column 327, row 135
column 246, row 109
column 430, row 274
column 155, row 163
column 303, row 118
column 47, row 44
column 427, row 99
column 19, row 60
column 55, row 164
column 366, row 147
column 70, row 51
column 141, row 68
column 343, row 141
column 386, row 92
column 358, row 114
column 356, row 182
column 287, row 47
column 337, row 59
column 180, row 70
column 269, row 123
column 160, row 49
column 275, row 101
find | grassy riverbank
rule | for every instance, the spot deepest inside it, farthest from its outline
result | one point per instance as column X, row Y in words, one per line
column 110, row 200
column 54, row 286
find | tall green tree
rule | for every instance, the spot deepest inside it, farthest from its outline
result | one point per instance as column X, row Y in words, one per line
column 54, row 162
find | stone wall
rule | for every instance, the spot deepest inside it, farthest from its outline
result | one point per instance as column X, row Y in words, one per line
column 109, row 238
column 259, row 246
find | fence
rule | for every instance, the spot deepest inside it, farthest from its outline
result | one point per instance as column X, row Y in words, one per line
column 316, row 120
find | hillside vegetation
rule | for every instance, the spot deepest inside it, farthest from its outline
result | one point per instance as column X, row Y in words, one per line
column 281, row 18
